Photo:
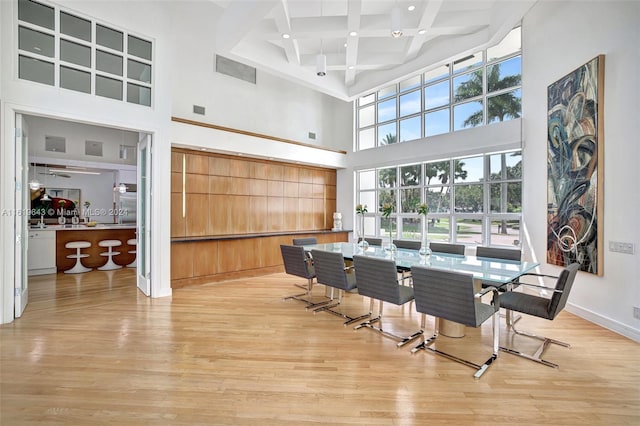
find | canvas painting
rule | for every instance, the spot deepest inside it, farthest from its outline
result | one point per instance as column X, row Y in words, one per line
column 574, row 168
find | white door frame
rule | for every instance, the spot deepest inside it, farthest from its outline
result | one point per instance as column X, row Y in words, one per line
column 21, row 281
column 8, row 232
column 144, row 200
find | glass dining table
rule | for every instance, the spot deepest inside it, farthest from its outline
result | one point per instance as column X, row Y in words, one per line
column 483, row 269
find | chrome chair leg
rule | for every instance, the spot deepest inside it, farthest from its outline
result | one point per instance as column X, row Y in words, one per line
column 402, row 340
column 329, row 308
column 480, row 368
column 537, row 355
column 301, row 297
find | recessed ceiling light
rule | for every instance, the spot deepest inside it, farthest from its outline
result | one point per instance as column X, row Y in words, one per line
column 421, row 32
column 351, row 67
column 411, row 8
column 286, row 35
column 353, row 33
column 345, row 45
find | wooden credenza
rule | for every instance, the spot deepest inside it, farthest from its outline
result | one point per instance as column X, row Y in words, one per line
column 198, row 261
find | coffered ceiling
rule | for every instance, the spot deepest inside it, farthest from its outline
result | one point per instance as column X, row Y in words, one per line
column 284, row 37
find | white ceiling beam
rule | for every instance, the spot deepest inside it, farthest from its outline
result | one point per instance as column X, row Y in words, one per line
column 283, row 24
column 354, row 10
column 425, row 23
column 238, row 19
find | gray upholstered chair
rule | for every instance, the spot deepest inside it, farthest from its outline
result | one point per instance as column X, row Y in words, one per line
column 450, row 296
column 331, row 271
column 447, row 248
column 542, row 307
column 372, row 241
column 297, row 263
column 306, row 241
column 498, row 253
column 378, row 279
column 407, row 244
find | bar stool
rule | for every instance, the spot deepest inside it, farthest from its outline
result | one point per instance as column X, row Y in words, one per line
column 132, row 242
column 78, row 268
column 110, row 244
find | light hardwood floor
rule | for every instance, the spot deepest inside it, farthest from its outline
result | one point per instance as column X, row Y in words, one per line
column 91, row 350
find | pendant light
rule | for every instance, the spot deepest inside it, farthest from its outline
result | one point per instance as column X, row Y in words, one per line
column 34, row 184
column 321, row 59
column 396, row 22
column 45, row 196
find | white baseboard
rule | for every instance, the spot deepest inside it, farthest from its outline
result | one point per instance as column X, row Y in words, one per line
column 608, row 323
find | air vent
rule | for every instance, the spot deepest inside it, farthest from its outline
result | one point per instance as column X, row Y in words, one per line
column 55, row 144
column 197, row 109
column 93, row 148
column 312, row 135
column 235, row 69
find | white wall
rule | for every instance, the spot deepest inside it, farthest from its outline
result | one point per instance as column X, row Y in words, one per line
column 559, row 36
column 273, row 106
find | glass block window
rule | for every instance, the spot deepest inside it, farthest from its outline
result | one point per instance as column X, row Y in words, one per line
column 475, row 90
column 62, row 49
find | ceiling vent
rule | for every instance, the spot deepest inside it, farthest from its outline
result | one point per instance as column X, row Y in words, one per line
column 235, row 69
column 93, row 148
column 55, row 144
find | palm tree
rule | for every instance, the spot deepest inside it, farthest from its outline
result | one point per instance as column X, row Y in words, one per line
column 502, row 106
column 389, row 139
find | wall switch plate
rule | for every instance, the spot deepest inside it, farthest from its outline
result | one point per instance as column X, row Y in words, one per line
column 621, row 247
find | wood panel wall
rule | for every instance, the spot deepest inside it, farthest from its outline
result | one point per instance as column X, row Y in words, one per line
column 216, row 195
column 233, row 205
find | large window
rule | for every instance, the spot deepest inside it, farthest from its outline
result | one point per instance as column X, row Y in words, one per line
column 61, row 49
column 472, row 200
column 472, row 91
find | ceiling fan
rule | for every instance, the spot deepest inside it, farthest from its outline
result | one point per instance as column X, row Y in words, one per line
column 54, row 174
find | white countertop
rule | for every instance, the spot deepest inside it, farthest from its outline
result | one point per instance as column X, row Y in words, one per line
column 82, row 227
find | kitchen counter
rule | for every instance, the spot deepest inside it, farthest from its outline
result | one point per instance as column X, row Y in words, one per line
column 83, row 227
column 67, row 233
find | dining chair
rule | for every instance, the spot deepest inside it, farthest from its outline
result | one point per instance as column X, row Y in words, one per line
column 450, row 296
column 502, row 254
column 372, row 241
column 306, row 241
column 331, row 271
column 541, row 307
column 297, row 263
column 447, row 248
column 407, row 244
column 378, row 279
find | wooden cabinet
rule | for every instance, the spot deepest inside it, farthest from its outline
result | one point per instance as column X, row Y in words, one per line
column 225, row 211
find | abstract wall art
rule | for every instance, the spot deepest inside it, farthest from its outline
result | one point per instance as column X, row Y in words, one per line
column 575, row 148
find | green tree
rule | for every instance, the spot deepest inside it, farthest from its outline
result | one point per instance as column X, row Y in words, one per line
column 389, row 139
column 500, row 107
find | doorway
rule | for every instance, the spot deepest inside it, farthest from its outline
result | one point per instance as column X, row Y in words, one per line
column 93, row 162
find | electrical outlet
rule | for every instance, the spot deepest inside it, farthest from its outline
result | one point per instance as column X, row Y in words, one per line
column 621, row 247
column 636, row 312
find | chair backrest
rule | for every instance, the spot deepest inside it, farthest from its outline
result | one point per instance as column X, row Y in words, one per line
column 563, row 286
column 372, row 241
column 447, row 248
column 329, row 267
column 377, row 278
column 498, row 253
column 445, row 294
column 307, row 241
column 296, row 261
column 407, row 244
